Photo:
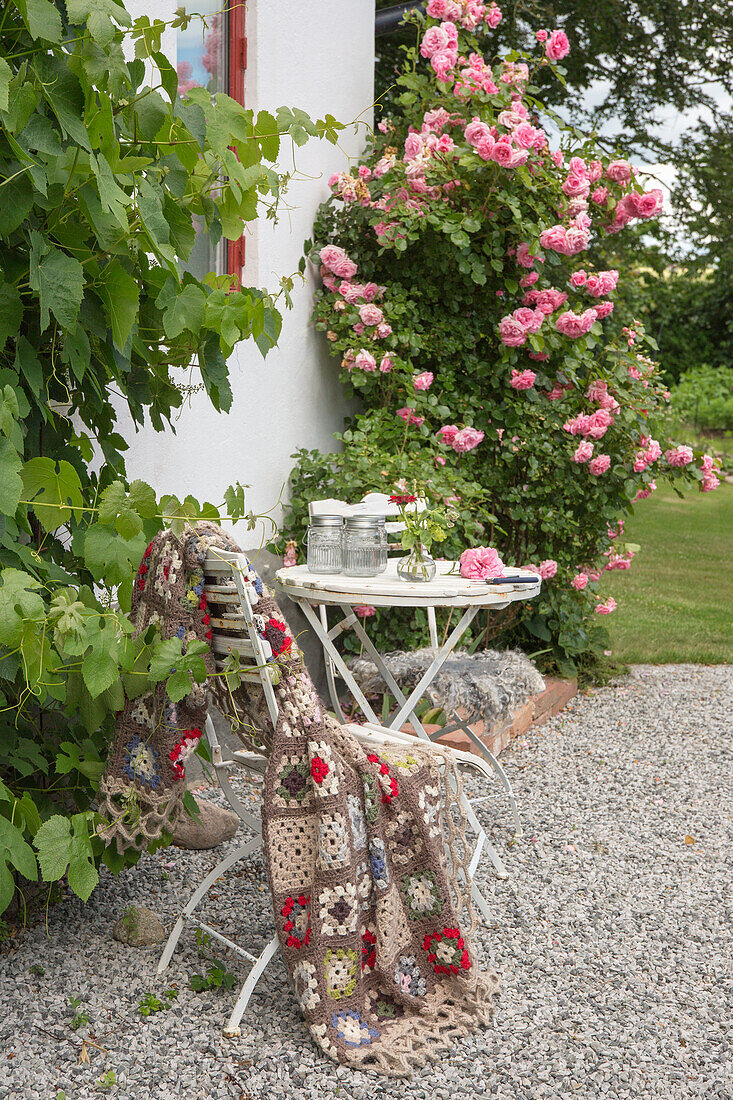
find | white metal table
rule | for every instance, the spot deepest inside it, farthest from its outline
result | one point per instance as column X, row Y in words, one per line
column 311, row 590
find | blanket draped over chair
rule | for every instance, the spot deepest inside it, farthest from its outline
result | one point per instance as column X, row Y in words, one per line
column 365, row 850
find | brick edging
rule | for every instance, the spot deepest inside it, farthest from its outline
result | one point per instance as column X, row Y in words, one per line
column 537, row 710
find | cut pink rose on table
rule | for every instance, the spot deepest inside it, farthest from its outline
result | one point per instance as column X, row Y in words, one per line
column 481, row 563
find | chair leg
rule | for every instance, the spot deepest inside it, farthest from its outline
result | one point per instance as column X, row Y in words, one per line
column 241, row 852
column 233, row 1029
column 481, row 843
column 498, row 770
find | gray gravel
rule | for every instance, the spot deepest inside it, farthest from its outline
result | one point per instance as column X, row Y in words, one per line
column 612, row 934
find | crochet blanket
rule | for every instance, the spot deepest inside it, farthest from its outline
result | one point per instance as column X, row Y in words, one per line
column 366, row 852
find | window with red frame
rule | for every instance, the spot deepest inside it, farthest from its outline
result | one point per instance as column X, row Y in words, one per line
column 212, row 54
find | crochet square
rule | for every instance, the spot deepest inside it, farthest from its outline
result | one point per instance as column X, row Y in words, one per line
column 292, row 846
column 340, row 966
column 333, row 842
column 422, row 895
column 403, row 838
column 293, row 786
column 338, row 909
column 324, row 768
column 358, row 822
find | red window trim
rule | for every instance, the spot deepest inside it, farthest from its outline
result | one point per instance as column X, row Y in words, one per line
column 237, row 66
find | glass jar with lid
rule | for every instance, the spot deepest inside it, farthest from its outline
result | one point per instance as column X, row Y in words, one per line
column 325, row 544
column 365, row 551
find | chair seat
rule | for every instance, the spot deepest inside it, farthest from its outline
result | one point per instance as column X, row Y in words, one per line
column 252, row 761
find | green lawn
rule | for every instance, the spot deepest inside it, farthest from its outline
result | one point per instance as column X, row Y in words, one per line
column 675, row 604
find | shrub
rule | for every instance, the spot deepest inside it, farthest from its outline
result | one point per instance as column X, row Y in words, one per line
column 704, row 398
column 102, row 171
column 459, row 299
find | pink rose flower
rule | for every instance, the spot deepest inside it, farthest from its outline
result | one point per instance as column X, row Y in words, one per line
column 511, row 332
column 555, row 238
column 578, row 425
column 599, row 465
column 575, row 325
column 599, row 423
column 529, row 279
column 370, row 291
column 530, row 319
column 437, row 9
column 557, row 46
column 550, row 299
column 707, row 463
column 679, row 456
column 439, row 460
column 408, row 415
column 619, row 171
column 365, row 360
column 525, row 258
column 383, row 331
column 364, row 610
column 522, row 380
column 541, row 36
column 603, row 309
column 371, row 314
column 709, row 482
column 434, row 39
column 442, row 62
column 485, row 147
column 493, row 16
column 386, row 364
column 556, row 393
column 583, row 452
column 557, row 158
column 423, row 381
column 481, row 563
column 547, row 569
column 476, row 131
column 337, row 261
column 600, row 196
column 607, row 607
column 502, row 154
column 579, row 581
column 466, row 440
column 359, row 328
column 596, row 391
column 578, row 278
column 447, row 433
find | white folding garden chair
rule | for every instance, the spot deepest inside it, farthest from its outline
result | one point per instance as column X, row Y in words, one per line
column 234, row 632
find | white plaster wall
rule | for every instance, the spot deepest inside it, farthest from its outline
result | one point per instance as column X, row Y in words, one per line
column 318, row 56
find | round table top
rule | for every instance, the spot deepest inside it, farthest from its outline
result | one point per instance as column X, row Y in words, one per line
column 389, row 590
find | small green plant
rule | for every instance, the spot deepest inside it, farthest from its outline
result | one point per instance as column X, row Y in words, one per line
column 37, row 970
column 203, row 941
column 108, row 1080
column 6, row 931
column 150, row 1004
column 217, row 976
column 81, row 1016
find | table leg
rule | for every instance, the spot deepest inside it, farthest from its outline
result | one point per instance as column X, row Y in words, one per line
column 336, row 658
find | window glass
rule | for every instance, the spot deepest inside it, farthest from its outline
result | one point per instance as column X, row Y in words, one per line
column 203, row 62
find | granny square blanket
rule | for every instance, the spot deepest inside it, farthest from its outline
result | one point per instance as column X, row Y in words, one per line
column 366, row 852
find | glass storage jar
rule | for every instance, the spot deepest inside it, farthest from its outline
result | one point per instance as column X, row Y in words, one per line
column 365, row 551
column 325, row 544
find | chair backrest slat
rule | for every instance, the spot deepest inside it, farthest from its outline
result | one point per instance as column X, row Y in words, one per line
column 233, row 627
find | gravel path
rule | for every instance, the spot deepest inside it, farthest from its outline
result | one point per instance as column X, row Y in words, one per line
column 612, row 935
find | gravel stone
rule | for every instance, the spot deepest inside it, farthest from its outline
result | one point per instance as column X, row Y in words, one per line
column 612, row 936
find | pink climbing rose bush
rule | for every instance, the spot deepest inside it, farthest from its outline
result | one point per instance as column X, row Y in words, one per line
column 493, row 359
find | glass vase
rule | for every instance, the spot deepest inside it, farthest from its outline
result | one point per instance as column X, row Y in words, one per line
column 417, row 566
